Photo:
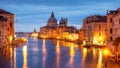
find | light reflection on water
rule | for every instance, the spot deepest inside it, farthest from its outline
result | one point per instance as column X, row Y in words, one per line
column 44, row 53
column 24, row 50
column 57, row 54
column 99, row 65
column 84, row 53
column 72, row 54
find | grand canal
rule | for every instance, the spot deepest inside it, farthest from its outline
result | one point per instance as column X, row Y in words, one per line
column 42, row 53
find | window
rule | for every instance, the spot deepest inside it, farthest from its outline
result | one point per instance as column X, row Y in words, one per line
column 111, row 38
column 11, row 24
column 111, row 30
column 8, row 29
column 99, row 26
column 111, row 20
column 119, row 21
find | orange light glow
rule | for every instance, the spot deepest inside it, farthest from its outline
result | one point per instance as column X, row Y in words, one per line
column 24, row 39
column 99, row 40
column 10, row 39
column 34, row 35
column 106, row 52
column 58, row 37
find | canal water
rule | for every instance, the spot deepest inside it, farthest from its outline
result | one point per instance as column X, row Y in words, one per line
column 42, row 53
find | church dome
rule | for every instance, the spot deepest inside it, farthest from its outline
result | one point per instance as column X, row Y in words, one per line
column 52, row 21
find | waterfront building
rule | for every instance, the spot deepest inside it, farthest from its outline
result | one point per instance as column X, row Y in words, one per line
column 116, row 24
column 3, row 35
column 113, row 25
column 7, row 25
column 94, row 29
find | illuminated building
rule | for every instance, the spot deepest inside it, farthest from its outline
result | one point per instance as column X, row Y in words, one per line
column 116, row 25
column 6, row 26
column 34, row 34
column 94, row 29
column 48, row 30
column 53, row 30
column 113, row 19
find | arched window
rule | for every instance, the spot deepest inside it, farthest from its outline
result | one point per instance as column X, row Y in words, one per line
column 11, row 24
column 111, row 30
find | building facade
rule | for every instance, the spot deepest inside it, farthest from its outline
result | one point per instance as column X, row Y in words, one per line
column 58, row 31
column 116, row 25
column 48, row 31
column 113, row 24
column 7, row 24
column 94, row 29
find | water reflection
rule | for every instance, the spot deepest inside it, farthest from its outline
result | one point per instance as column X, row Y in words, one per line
column 15, row 58
column 84, row 54
column 99, row 65
column 63, row 55
column 35, row 45
column 58, row 54
column 72, row 54
column 24, row 50
column 12, row 57
column 44, row 52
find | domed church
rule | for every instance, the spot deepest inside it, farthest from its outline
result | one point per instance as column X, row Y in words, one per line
column 52, row 21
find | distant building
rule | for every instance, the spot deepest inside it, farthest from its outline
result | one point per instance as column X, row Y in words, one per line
column 48, row 30
column 52, row 21
column 6, row 26
column 34, row 34
column 94, row 29
column 58, row 31
column 63, row 22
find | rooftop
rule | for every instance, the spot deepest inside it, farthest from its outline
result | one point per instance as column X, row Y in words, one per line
column 95, row 18
column 5, row 12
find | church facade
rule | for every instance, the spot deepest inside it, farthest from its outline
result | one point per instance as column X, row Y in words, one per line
column 56, row 30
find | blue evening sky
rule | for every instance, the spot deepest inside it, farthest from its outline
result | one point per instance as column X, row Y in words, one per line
column 30, row 14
